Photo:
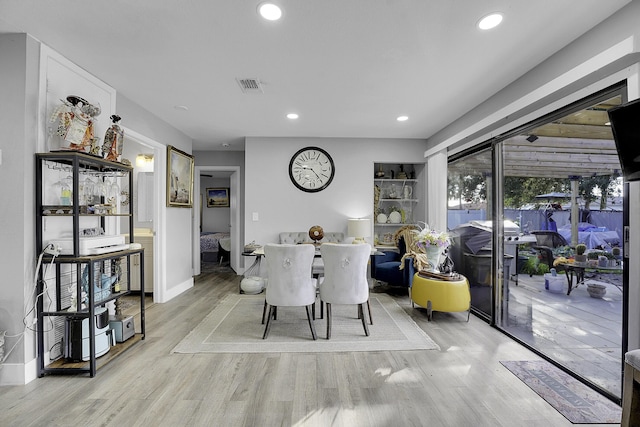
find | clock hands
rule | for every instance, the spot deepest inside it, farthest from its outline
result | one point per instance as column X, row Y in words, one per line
column 307, row 167
column 314, row 172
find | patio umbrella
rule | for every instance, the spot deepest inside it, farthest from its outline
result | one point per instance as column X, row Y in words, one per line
column 554, row 195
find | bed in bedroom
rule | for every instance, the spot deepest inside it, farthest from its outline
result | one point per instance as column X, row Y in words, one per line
column 211, row 245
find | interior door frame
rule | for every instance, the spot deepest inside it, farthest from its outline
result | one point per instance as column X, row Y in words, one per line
column 159, row 213
column 234, row 216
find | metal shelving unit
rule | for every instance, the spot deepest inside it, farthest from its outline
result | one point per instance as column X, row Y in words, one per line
column 81, row 284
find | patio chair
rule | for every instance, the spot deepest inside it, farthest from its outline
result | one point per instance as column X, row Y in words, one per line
column 546, row 241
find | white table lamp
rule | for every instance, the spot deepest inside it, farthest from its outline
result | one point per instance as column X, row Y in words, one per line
column 359, row 228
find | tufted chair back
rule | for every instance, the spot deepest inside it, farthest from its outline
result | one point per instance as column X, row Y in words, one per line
column 289, row 272
column 345, row 273
column 296, row 237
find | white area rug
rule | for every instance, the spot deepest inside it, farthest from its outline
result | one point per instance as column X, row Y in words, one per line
column 234, row 326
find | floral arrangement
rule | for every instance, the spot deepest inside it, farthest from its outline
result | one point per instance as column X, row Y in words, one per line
column 428, row 237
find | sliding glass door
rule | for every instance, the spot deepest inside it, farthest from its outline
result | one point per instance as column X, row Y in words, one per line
column 469, row 221
column 520, row 208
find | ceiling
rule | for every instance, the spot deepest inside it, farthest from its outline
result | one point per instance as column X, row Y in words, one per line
column 348, row 68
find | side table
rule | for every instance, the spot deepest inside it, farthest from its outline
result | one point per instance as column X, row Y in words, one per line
column 441, row 295
column 254, row 269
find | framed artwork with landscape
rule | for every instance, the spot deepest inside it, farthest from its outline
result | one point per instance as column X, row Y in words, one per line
column 217, row 197
column 179, row 178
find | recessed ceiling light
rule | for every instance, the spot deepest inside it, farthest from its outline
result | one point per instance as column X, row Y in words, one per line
column 181, row 107
column 292, row 116
column 269, row 11
column 402, row 118
column 490, row 21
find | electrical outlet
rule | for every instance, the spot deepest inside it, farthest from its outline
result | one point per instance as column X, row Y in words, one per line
column 51, row 249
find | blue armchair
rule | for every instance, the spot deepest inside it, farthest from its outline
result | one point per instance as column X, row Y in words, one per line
column 386, row 268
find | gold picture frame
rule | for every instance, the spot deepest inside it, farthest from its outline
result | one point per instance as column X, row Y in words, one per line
column 217, row 197
column 180, row 168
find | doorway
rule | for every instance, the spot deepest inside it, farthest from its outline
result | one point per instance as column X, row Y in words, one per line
column 148, row 158
column 233, row 174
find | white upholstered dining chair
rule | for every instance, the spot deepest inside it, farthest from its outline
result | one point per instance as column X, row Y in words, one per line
column 345, row 278
column 290, row 281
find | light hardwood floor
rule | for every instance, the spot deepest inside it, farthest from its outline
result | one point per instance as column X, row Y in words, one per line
column 463, row 384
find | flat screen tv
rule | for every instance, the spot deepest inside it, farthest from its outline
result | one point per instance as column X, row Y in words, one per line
column 625, row 124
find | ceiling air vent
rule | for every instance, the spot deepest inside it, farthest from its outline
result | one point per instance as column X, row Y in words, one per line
column 250, row 85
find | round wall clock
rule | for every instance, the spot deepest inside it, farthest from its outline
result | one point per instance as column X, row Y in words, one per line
column 311, row 169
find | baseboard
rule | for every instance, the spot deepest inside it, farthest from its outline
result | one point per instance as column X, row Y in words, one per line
column 18, row 373
column 169, row 294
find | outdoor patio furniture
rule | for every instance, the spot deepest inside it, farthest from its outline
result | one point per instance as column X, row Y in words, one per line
column 577, row 270
column 546, row 241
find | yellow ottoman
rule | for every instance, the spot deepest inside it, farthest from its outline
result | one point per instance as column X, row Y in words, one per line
column 441, row 295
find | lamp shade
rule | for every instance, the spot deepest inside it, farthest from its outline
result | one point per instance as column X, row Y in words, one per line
column 359, row 228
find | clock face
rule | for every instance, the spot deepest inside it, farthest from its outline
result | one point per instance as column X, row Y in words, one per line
column 311, row 169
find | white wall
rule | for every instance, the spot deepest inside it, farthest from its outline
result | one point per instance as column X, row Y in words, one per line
column 280, row 206
column 214, row 219
column 18, row 113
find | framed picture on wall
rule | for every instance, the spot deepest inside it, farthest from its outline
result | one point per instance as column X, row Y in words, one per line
column 179, row 178
column 217, row 197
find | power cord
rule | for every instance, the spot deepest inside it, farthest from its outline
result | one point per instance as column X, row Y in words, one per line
column 50, row 249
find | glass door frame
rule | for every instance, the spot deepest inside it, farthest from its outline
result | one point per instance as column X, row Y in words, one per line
column 495, row 205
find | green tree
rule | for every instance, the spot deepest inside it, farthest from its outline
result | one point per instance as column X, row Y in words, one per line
column 605, row 183
column 469, row 188
column 519, row 191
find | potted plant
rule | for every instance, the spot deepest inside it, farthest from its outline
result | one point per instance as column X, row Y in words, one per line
column 580, row 252
column 603, row 261
column 433, row 243
column 616, row 252
column 592, row 258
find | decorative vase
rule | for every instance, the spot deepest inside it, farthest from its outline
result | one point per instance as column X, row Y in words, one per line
column 252, row 285
column 433, row 255
column 408, row 191
column 113, row 140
